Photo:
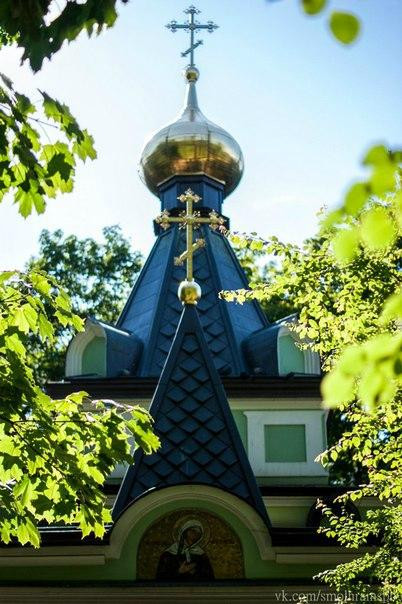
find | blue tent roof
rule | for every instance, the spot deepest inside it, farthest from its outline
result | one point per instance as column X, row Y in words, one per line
column 200, row 441
column 153, row 310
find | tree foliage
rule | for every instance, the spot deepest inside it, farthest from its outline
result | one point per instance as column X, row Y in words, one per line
column 258, row 266
column 31, row 170
column 40, row 27
column 54, row 454
column 97, row 276
column 347, row 283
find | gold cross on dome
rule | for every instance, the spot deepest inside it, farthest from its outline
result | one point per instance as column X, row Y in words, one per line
column 190, row 220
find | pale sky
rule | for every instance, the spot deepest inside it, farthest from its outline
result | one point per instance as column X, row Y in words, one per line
column 302, row 107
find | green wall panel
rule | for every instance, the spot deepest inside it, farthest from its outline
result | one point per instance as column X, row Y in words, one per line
column 285, row 443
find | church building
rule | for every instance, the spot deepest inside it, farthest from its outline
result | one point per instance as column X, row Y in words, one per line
column 225, row 509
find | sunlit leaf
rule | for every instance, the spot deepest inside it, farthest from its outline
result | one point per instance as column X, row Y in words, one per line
column 356, row 197
column 377, row 228
column 312, row 7
column 345, row 244
column 344, row 26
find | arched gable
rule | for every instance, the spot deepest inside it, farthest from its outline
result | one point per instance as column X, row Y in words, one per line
column 243, row 520
column 292, row 358
column 102, row 350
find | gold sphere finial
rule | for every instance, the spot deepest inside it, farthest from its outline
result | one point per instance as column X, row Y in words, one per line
column 189, row 292
column 191, row 73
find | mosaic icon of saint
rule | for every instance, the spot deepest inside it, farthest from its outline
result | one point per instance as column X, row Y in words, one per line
column 185, row 560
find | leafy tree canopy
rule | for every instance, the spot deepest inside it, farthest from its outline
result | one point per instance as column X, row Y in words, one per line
column 97, row 276
column 31, row 170
column 41, row 27
column 54, row 454
column 346, row 282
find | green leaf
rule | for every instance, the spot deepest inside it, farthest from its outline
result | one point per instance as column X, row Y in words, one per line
column 14, row 343
column 33, row 532
column 352, row 360
column 312, row 7
column 345, row 244
column 20, row 320
column 85, row 148
column 25, row 491
column 9, row 446
column 356, row 197
column 24, row 104
column 40, row 283
column 77, row 323
column 377, row 229
column 392, row 308
column 46, row 330
column 25, row 203
column 5, row 275
column 337, row 388
column 31, row 316
column 370, row 387
column 377, row 156
column 60, row 163
column 5, row 532
column 96, row 474
column 23, row 534
column 383, row 179
column 63, row 301
column 52, row 491
column 344, row 26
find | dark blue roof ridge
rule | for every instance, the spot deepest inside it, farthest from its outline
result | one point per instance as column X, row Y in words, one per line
column 200, row 443
column 110, row 326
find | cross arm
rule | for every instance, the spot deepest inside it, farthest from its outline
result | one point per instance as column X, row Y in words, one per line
column 183, row 257
column 214, row 220
column 173, row 26
column 164, row 220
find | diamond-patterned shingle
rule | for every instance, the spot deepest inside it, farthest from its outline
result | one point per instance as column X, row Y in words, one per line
column 200, row 441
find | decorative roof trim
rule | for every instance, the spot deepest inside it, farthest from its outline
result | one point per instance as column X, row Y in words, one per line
column 290, row 386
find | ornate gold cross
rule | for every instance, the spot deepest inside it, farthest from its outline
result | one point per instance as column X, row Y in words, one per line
column 191, row 27
column 190, row 220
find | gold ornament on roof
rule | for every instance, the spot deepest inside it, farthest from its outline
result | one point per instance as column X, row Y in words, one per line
column 189, row 291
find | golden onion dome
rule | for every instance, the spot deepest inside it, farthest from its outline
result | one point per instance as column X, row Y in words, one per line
column 192, row 145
